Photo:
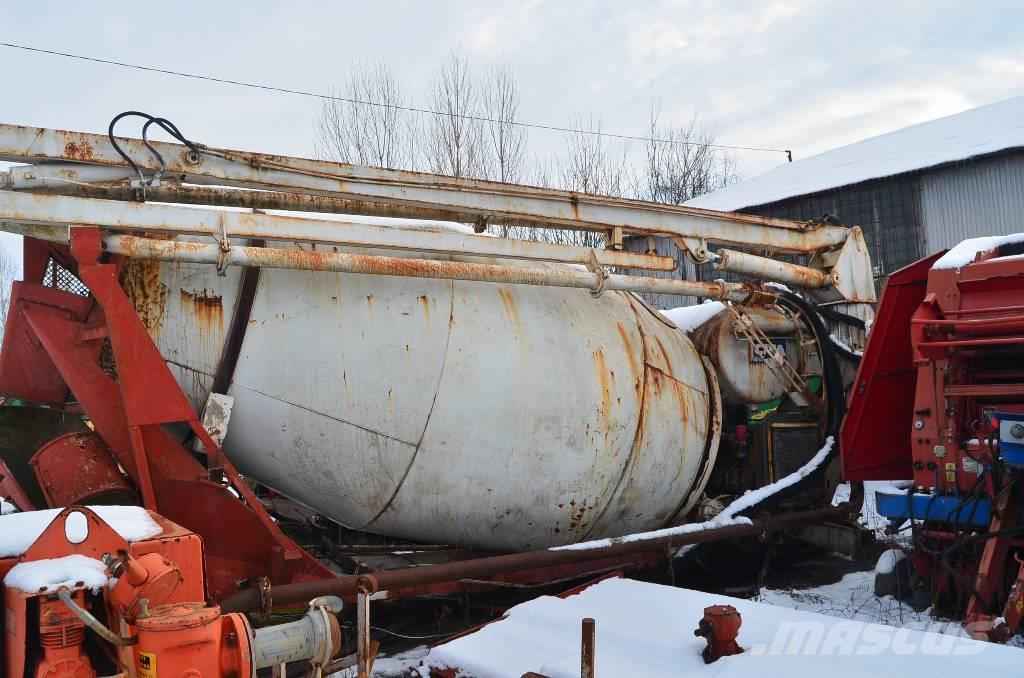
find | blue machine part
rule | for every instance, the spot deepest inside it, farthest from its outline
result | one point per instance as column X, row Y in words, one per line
column 1011, row 438
column 896, row 507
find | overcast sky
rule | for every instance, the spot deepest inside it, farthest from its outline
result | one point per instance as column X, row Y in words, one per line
column 793, row 74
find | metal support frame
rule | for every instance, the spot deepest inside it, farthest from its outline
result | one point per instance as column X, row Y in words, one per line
column 62, row 335
column 88, row 165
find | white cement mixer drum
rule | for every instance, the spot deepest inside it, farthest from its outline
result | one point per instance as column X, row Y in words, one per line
column 493, row 416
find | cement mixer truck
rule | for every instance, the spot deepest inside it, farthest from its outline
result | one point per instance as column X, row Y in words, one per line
column 199, row 329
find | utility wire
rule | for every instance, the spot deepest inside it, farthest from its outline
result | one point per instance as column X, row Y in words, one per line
column 411, row 109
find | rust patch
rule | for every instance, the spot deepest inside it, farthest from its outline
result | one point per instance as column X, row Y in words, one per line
column 207, row 307
column 140, row 280
column 424, row 301
column 630, row 353
column 78, row 151
column 664, row 354
column 576, row 514
column 509, row 302
column 605, row 410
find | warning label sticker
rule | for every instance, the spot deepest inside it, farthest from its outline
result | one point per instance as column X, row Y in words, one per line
column 147, row 665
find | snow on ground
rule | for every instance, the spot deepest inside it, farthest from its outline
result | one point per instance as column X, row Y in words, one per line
column 964, row 253
column 647, row 630
column 689, row 318
column 6, row 507
column 19, row 530
column 52, row 573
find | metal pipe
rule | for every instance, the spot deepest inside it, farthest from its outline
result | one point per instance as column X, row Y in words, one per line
column 770, row 269
column 480, row 568
column 39, row 209
column 476, row 200
column 340, row 262
column 220, row 196
column 94, row 623
column 316, row 636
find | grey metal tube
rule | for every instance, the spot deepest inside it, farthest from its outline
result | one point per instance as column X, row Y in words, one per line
column 770, row 269
column 340, row 262
column 316, row 636
column 94, row 623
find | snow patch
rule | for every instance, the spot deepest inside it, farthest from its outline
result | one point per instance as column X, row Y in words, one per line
column 52, row 573
column 689, row 318
column 888, row 560
column 647, row 630
column 843, row 345
column 726, row 518
column 965, row 252
column 6, row 507
column 19, row 530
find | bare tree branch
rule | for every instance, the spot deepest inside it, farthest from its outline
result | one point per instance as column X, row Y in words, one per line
column 507, row 139
column 454, row 144
column 686, row 164
column 365, row 134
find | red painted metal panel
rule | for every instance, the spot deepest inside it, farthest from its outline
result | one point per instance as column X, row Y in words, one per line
column 874, row 439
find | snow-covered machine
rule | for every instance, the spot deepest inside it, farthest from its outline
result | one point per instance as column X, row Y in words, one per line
column 358, row 343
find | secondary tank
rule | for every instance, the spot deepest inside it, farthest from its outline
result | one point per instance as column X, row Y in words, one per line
column 493, row 416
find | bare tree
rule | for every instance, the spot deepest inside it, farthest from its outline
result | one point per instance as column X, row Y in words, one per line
column 7, row 275
column 506, row 137
column 366, row 124
column 590, row 164
column 454, row 139
column 681, row 162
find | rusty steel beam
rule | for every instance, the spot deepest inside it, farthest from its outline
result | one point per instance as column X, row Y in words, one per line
column 217, row 196
column 764, row 268
column 37, row 209
column 475, row 200
column 481, row 568
column 341, row 262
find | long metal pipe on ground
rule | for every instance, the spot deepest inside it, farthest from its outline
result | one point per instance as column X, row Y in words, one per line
column 340, row 262
column 480, row 568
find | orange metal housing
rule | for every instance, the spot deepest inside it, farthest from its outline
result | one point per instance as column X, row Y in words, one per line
column 173, row 544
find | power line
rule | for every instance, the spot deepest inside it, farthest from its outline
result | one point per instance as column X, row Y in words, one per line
column 411, row 109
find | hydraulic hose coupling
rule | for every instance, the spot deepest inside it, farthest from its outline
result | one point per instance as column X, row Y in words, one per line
column 720, row 627
column 316, row 637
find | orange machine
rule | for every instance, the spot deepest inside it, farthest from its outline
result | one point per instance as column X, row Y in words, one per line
column 127, row 597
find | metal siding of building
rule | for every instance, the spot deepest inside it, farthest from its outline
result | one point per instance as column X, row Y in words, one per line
column 684, row 271
column 978, row 198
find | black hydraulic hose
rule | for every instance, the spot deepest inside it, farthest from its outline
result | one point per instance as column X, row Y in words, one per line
column 845, row 352
column 841, row 317
column 985, row 536
column 167, row 126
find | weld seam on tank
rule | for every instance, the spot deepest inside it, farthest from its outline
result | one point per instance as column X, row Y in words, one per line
column 326, row 415
column 433, row 403
column 711, row 444
column 637, row 433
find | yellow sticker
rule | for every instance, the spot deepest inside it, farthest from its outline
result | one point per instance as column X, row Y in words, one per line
column 147, row 665
column 1020, row 605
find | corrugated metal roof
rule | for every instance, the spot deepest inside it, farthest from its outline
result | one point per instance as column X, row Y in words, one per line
column 979, row 131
